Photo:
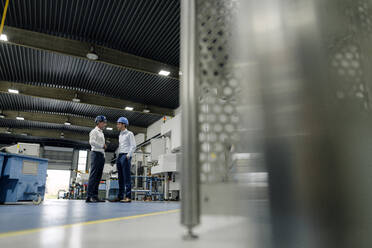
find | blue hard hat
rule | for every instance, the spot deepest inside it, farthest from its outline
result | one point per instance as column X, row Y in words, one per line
column 123, row 120
column 100, row 118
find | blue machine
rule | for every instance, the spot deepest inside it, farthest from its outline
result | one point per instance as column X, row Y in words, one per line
column 22, row 178
column 112, row 189
column 2, row 157
column 152, row 185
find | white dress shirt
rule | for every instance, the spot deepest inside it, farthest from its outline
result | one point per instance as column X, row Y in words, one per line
column 97, row 140
column 127, row 143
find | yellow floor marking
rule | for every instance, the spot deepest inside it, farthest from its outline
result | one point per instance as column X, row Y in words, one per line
column 28, row 231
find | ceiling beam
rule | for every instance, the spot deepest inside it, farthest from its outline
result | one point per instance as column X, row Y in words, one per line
column 61, row 119
column 79, row 49
column 37, row 136
column 46, row 133
column 68, row 95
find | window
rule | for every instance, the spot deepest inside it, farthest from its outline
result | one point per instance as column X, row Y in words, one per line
column 82, row 162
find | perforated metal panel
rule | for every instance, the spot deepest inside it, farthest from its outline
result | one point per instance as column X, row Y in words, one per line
column 348, row 52
column 297, row 82
column 218, row 116
column 347, row 67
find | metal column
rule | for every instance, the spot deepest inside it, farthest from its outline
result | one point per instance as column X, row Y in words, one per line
column 166, row 186
column 190, row 215
column 311, row 60
column 290, row 81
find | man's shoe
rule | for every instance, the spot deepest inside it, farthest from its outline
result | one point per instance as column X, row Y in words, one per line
column 126, row 200
column 91, row 200
column 115, row 200
column 99, row 200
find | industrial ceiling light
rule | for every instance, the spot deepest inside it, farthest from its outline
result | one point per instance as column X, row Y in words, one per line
column 109, row 128
column 62, row 136
column 24, row 134
column 164, row 73
column 92, row 55
column 146, row 111
column 20, row 118
column 129, row 108
column 8, row 131
column 76, row 99
column 68, row 122
column 3, row 37
column 13, row 91
column 2, row 116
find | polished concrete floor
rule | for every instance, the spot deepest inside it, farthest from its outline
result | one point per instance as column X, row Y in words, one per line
column 64, row 212
column 139, row 224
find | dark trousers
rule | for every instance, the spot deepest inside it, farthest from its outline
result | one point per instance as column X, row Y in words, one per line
column 125, row 183
column 96, row 169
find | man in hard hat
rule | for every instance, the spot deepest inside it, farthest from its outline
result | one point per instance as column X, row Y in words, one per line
column 97, row 142
column 127, row 146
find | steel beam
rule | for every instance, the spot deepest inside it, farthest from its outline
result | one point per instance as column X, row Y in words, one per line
column 61, row 119
column 40, row 134
column 46, row 133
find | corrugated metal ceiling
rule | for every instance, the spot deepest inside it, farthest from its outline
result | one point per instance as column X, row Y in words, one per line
column 9, row 139
column 37, row 67
column 147, row 28
column 35, row 104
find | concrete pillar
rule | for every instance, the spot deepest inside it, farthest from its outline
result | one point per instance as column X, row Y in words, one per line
column 166, row 186
column 74, row 165
column 88, row 160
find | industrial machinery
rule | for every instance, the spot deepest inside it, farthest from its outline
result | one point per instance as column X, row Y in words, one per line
column 102, row 190
column 144, row 185
column 2, row 158
column 112, row 188
column 22, row 174
column 62, row 194
column 165, row 153
column 22, row 178
column 79, row 187
column 24, row 149
column 77, row 191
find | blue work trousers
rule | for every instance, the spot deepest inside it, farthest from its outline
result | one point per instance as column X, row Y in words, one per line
column 125, row 183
